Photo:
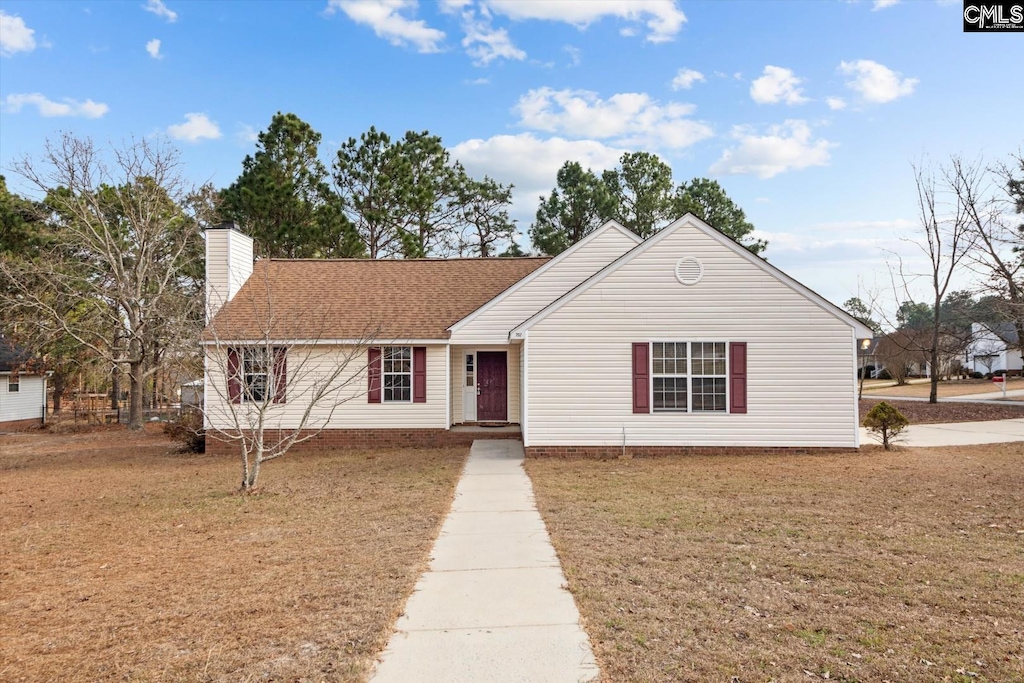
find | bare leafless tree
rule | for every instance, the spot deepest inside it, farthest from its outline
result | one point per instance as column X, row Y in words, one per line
column 946, row 240
column 983, row 195
column 273, row 380
column 119, row 271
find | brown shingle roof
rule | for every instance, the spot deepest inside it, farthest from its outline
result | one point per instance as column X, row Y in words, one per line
column 357, row 298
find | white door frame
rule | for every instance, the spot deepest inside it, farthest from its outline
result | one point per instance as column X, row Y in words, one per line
column 468, row 388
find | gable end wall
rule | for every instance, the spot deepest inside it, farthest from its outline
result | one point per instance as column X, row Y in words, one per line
column 801, row 386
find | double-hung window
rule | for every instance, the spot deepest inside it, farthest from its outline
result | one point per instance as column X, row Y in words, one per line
column 708, row 376
column 13, row 384
column 396, row 371
column 256, row 365
column 689, row 376
column 670, row 376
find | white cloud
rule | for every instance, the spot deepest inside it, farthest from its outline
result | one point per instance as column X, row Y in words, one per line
column 387, row 19
column 484, row 43
column 246, row 135
column 531, row 163
column 835, row 103
column 662, row 17
column 630, row 119
column 153, row 48
column 685, row 79
column 777, row 84
column 196, row 127
column 454, row 6
column 158, row 8
column 46, row 107
column 786, row 147
column 478, row 81
column 15, row 36
column 882, row 4
column 875, row 82
column 575, row 55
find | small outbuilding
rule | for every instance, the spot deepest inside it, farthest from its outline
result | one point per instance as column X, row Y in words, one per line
column 22, row 391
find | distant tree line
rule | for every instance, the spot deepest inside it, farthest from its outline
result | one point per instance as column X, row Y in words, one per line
column 639, row 194
column 379, row 198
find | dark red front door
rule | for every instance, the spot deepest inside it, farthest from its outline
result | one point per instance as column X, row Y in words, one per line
column 492, row 386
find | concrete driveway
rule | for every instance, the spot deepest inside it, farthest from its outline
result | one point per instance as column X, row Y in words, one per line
column 958, row 433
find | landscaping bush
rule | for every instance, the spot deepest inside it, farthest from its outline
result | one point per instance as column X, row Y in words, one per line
column 977, row 375
column 884, row 374
column 885, row 422
column 187, row 430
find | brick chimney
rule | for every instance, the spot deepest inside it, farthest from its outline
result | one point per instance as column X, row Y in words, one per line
column 228, row 265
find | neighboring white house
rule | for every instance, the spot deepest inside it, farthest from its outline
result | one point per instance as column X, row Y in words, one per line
column 22, row 394
column 683, row 340
column 994, row 349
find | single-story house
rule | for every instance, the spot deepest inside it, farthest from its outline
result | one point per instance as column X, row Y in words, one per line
column 685, row 340
column 22, row 392
column 994, row 348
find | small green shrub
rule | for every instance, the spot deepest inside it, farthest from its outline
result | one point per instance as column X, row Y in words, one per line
column 885, row 422
column 187, row 430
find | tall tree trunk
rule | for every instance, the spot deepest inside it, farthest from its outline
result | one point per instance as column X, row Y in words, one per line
column 59, row 384
column 135, row 388
column 933, row 394
column 115, row 387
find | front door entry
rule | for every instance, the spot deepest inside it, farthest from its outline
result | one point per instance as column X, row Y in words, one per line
column 492, row 386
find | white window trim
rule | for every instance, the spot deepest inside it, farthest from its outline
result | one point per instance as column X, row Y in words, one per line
column 411, row 373
column 683, row 376
column 243, row 376
column 13, row 382
column 689, row 377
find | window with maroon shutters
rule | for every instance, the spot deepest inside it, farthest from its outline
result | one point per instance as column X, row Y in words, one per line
column 689, row 377
column 419, row 374
column 373, row 375
column 641, row 378
column 738, row 377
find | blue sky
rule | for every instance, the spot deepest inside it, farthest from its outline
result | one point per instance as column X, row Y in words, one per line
column 809, row 113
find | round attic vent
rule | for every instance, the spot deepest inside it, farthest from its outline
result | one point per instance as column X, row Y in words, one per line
column 689, row 270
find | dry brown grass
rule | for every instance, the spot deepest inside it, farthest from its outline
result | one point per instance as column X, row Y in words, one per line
column 120, row 560
column 922, row 412
column 901, row 566
column 964, row 387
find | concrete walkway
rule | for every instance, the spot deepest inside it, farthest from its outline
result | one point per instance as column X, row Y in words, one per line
column 957, row 433
column 492, row 607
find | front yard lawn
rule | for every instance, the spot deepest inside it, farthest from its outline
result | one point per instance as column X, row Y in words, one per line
column 901, row 566
column 922, row 412
column 120, row 560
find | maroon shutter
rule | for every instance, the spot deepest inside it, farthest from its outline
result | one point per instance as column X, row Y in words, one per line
column 419, row 374
column 373, row 373
column 738, row 377
column 234, row 383
column 641, row 378
column 280, row 374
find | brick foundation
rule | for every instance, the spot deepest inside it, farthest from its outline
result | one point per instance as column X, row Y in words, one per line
column 333, row 439
column 20, row 425
column 608, row 452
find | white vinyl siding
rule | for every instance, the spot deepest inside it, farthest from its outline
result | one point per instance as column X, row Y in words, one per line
column 491, row 326
column 216, row 269
column 228, row 265
column 459, row 378
column 357, row 412
column 801, row 387
column 24, row 404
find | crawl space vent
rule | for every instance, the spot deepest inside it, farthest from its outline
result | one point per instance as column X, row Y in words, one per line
column 689, row 270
